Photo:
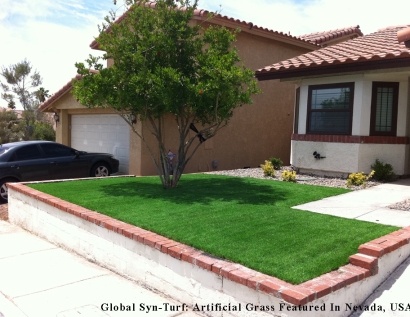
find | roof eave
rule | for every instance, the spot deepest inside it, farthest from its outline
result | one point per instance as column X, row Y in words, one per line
column 333, row 69
column 46, row 105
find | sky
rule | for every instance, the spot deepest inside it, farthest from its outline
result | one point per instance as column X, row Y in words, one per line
column 55, row 34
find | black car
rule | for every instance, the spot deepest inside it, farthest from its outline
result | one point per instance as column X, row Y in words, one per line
column 44, row 160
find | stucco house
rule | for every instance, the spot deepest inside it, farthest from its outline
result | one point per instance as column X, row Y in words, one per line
column 352, row 105
column 255, row 133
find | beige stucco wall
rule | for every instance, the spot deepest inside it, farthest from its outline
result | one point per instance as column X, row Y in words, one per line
column 255, row 133
column 347, row 157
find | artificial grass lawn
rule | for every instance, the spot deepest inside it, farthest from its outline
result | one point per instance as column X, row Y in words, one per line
column 245, row 220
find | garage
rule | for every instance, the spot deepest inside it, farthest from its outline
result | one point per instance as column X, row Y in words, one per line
column 106, row 133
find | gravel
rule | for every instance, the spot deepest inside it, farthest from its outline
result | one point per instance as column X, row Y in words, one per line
column 403, row 205
column 300, row 178
column 309, row 179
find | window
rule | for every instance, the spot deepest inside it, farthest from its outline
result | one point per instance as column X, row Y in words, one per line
column 56, row 150
column 384, row 109
column 28, row 152
column 330, row 109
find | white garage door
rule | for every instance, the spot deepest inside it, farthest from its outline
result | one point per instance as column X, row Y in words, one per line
column 106, row 133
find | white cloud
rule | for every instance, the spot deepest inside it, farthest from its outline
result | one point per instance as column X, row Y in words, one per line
column 51, row 34
column 54, row 34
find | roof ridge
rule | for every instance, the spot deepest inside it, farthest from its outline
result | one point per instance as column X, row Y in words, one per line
column 325, row 36
column 333, row 30
column 203, row 13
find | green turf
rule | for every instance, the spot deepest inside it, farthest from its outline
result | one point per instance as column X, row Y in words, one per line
column 245, row 220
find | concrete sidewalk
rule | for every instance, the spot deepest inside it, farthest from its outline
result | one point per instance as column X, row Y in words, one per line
column 392, row 295
column 39, row 279
column 369, row 204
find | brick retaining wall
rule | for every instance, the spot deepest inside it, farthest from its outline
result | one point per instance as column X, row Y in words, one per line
column 351, row 283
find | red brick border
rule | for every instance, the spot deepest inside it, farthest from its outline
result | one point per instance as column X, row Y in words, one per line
column 351, row 139
column 361, row 265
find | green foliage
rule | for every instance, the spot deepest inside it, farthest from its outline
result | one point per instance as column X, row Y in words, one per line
column 43, row 131
column 164, row 65
column 11, row 128
column 289, row 176
column 382, row 171
column 268, row 169
column 358, row 179
column 21, row 83
column 276, row 162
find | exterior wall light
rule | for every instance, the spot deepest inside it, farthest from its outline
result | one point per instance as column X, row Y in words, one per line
column 56, row 117
column 318, row 156
column 133, row 119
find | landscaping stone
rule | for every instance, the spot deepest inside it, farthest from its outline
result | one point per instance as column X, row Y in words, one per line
column 300, row 178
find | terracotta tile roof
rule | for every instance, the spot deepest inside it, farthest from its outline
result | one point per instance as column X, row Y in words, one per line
column 67, row 87
column 372, row 49
column 327, row 36
column 221, row 19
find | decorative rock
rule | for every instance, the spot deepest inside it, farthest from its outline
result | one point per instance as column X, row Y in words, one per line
column 300, row 178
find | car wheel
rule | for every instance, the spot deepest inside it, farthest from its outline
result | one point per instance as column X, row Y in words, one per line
column 100, row 170
column 4, row 190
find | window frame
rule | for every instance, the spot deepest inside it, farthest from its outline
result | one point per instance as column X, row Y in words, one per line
column 310, row 110
column 296, row 113
column 395, row 86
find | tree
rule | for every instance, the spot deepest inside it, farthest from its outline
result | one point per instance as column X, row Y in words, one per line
column 11, row 128
column 22, row 83
column 166, row 65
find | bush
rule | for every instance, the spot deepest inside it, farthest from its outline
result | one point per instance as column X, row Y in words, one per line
column 43, row 131
column 276, row 162
column 268, row 169
column 289, row 176
column 382, row 172
column 358, row 179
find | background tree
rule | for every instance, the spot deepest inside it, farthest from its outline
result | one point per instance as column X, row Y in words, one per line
column 22, row 84
column 164, row 65
column 11, row 128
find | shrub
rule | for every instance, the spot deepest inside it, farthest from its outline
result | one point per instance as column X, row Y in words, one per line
column 382, row 172
column 358, row 179
column 289, row 176
column 268, row 169
column 276, row 162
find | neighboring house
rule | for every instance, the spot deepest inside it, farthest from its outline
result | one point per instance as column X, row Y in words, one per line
column 352, row 105
column 255, row 133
